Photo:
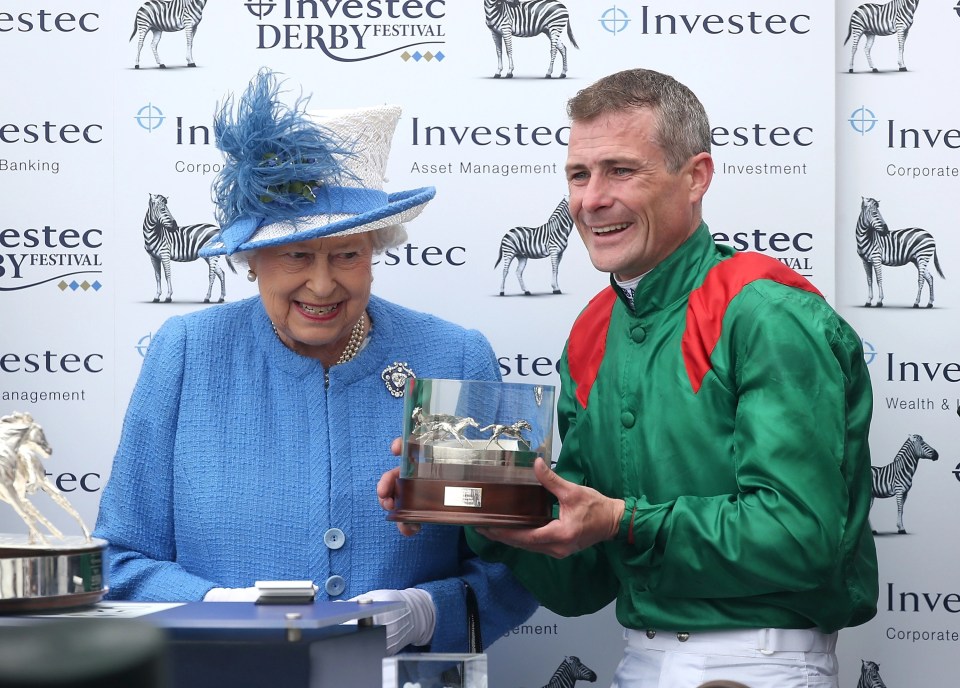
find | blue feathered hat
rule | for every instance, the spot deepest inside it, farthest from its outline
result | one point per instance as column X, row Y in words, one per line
column 290, row 175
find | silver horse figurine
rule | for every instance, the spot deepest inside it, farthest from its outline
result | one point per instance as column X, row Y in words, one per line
column 437, row 426
column 23, row 448
column 513, row 430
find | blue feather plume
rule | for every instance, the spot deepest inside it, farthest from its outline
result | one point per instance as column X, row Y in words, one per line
column 275, row 155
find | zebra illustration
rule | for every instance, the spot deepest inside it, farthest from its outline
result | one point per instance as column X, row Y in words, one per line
column 872, row 20
column 896, row 478
column 165, row 240
column 549, row 239
column 570, row 671
column 877, row 245
column 526, row 18
column 870, row 675
column 158, row 16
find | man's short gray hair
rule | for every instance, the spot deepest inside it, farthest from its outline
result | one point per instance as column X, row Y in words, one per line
column 683, row 129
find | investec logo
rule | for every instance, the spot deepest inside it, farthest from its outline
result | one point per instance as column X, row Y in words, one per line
column 650, row 21
column 790, row 248
column 351, row 30
column 44, row 21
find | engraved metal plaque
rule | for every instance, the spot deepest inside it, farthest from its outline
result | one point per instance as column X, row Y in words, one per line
column 463, row 496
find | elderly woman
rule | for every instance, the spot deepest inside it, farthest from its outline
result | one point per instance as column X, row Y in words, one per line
column 257, row 431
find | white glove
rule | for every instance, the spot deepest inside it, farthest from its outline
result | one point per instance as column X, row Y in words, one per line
column 232, row 595
column 412, row 625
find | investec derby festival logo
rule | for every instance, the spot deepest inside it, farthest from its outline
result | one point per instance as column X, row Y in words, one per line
column 66, row 257
column 871, row 20
column 353, row 30
column 158, row 17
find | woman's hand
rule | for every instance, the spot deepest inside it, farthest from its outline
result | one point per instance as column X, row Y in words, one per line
column 387, row 488
column 586, row 518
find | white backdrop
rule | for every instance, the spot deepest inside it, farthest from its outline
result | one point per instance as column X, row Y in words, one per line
column 85, row 138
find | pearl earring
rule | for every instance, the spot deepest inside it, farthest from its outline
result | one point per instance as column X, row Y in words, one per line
column 251, row 276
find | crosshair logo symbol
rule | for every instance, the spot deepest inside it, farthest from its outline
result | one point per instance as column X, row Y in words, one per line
column 260, row 9
column 956, row 472
column 150, row 117
column 869, row 352
column 862, row 120
column 143, row 344
column 614, row 20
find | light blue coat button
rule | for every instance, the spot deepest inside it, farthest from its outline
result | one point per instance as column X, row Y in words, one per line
column 334, row 538
column 335, row 585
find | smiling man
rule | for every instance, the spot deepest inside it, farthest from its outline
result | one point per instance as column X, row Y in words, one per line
column 714, row 477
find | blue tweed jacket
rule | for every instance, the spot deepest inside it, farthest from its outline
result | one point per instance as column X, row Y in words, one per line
column 235, row 460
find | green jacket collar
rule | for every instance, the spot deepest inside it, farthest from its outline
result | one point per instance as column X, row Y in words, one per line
column 677, row 275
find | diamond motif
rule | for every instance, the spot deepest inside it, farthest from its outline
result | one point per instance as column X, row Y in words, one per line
column 96, row 285
column 440, row 56
column 417, row 56
column 405, row 56
column 63, row 285
column 73, row 285
column 428, row 56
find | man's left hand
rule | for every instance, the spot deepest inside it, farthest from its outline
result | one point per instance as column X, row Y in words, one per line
column 586, row 518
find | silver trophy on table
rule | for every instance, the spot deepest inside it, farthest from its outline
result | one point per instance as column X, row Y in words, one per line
column 41, row 571
column 468, row 453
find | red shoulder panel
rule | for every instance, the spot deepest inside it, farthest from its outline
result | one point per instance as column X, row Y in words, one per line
column 588, row 342
column 708, row 304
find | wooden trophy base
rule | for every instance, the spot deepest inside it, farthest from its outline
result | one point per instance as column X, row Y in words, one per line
column 472, row 503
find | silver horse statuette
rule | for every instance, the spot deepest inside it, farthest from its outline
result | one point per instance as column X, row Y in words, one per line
column 433, row 427
column 23, row 449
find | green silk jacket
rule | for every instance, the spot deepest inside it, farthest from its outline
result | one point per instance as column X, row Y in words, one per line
column 730, row 410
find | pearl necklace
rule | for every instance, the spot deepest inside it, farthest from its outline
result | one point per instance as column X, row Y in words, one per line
column 353, row 344
column 356, row 339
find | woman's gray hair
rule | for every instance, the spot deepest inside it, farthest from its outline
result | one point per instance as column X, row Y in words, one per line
column 683, row 129
column 387, row 237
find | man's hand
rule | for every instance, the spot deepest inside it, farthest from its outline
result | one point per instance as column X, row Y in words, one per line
column 586, row 518
column 387, row 487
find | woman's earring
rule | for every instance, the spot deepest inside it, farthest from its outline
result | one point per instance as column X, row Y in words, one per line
column 251, row 276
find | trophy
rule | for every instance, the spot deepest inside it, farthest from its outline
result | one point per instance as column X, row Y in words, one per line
column 468, row 453
column 36, row 574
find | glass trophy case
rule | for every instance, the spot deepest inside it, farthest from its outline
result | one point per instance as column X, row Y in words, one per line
column 468, row 453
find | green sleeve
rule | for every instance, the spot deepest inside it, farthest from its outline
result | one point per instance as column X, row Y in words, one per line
column 579, row 584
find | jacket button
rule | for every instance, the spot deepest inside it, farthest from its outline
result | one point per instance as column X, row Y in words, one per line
column 335, row 585
column 628, row 419
column 334, row 538
column 651, row 634
column 638, row 334
column 683, row 636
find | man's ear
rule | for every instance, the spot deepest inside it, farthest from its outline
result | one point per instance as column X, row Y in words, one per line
column 700, row 169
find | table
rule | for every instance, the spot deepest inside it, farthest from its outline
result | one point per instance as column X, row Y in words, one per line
column 240, row 644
